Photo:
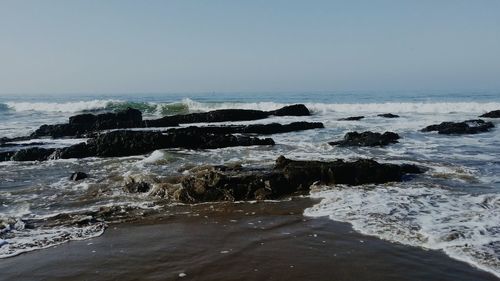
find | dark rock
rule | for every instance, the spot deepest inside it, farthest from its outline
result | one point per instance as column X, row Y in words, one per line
column 80, row 150
column 224, row 115
column 213, row 183
column 137, row 187
column 76, row 176
column 127, row 143
column 353, row 118
column 363, row 171
column 292, row 110
column 388, row 115
column 9, row 144
column 60, row 130
column 7, row 141
column 6, row 156
column 195, row 140
column 32, row 154
column 83, row 119
column 263, row 129
column 124, row 143
column 82, row 124
column 492, row 114
column 367, row 139
column 87, row 124
column 465, row 127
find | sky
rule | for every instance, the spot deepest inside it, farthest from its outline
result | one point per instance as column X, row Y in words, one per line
column 106, row 46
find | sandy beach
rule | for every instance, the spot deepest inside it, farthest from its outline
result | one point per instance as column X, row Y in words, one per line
column 245, row 241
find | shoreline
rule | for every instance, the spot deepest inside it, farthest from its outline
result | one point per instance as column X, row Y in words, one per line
column 242, row 241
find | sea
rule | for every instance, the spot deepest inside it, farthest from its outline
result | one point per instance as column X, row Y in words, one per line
column 454, row 207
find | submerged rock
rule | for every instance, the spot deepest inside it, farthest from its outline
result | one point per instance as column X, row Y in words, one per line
column 492, row 114
column 353, row 118
column 465, row 127
column 76, row 176
column 388, row 115
column 216, row 183
column 367, row 139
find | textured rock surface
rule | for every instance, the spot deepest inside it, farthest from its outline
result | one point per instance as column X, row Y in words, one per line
column 82, row 124
column 224, row 115
column 465, row 127
column 492, row 114
column 262, row 129
column 85, row 124
column 367, row 139
column 220, row 183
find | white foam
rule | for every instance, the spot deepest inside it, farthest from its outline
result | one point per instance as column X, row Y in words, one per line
column 406, row 107
column 156, row 157
column 204, row 106
column 27, row 240
column 464, row 226
column 393, row 107
column 52, row 141
column 195, row 106
column 61, row 107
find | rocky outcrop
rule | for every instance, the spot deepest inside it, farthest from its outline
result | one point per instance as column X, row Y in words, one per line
column 261, row 129
column 80, row 125
column 220, row 183
column 465, row 127
column 353, row 118
column 291, row 110
column 126, row 143
column 367, row 139
column 492, row 114
column 388, row 115
column 32, row 154
column 86, row 124
column 225, row 115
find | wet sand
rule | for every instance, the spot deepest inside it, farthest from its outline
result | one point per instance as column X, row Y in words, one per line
column 260, row 241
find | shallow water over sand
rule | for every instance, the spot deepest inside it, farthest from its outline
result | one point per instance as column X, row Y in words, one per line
column 260, row 241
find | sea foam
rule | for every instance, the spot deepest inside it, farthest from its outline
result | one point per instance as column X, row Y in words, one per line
column 464, row 226
column 189, row 105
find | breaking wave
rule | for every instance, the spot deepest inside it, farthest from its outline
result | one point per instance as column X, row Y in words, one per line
column 188, row 105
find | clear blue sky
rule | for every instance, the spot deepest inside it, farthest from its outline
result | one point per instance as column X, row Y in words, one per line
column 202, row 46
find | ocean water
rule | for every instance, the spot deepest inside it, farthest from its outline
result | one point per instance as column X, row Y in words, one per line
column 454, row 207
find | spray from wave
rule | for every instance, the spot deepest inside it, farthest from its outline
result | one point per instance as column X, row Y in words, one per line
column 188, row 105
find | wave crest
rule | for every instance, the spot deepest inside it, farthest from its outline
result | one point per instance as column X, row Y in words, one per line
column 187, row 105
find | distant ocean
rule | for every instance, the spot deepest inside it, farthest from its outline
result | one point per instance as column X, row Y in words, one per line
column 454, row 207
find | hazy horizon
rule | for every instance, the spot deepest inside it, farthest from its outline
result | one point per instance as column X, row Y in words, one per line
column 163, row 47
